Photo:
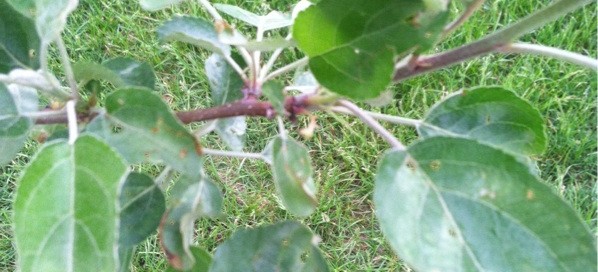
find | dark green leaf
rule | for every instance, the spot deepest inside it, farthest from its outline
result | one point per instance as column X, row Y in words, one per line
column 192, row 198
column 287, row 246
column 153, row 5
column 490, row 115
column 273, row 90
column 453, row 204
column 66, row 208
column 226, row 87
column 193, row 30
column 141, row 207
column 14, row 127
column 291, row 168
column 19, row 43
column 203, row 260
column 272, row 20
column 142, row 127
column 352, row 44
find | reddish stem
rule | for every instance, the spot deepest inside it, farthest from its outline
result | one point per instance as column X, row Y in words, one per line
column 245, row 107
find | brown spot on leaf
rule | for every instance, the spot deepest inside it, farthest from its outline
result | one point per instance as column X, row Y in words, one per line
column 530, row 194
column 174, row 260
column 452, row 232
column 197, row 146
column 155, row 130
column 435, row 165
column 183, row 153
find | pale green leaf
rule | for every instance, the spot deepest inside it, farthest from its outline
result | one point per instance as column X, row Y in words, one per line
column 14, row 127
column 273, row 90
column 193, row 30
column 192, row 198
column 352, row 44
column 143, row 128
column 51, row 17
column 272, row 20
column 490, row 115
column 153, row 5
column 141, row 207
column 66, row 214
column 453, row 204
column 291, row 168
column 268, row 44
column 226, row 86
column 287, row 246
column 120, row 72
column 19, row 43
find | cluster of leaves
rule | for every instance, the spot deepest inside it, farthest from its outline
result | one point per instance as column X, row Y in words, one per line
column 466, row 196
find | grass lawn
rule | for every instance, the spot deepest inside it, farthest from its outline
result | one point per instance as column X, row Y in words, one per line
column 344, row 151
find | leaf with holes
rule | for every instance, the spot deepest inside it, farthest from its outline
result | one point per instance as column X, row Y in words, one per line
column 142, row 204
column 286, row 246
column 454, row 204
column 490, row 115
column 14, row 127
column 19, row 43
column 120, row 72
column 352, row 45
column 193, row 30
column 143, row 128
column 69, row 191
column 226, row 86
column 291, row 168
column 192, row 198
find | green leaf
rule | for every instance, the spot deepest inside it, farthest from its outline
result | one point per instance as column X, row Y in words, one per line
column 192, row 198
column 14, row 127
column 51, row 17
column 25, row 7
column 453, row 204
column 19, row 43
column 141, row 207
column 66, row 214
column 203, row 260
column 132, row 72
column 226, row 86
column 268, row 44
column 154, row 5
column 119, row 71
column 273, row 91
column 193, row 30
column 491, row 115
column 352, row 45
column 286, row 246
column 291, row 168
column 125, row 255
column 142, row 127
column 272, row 20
